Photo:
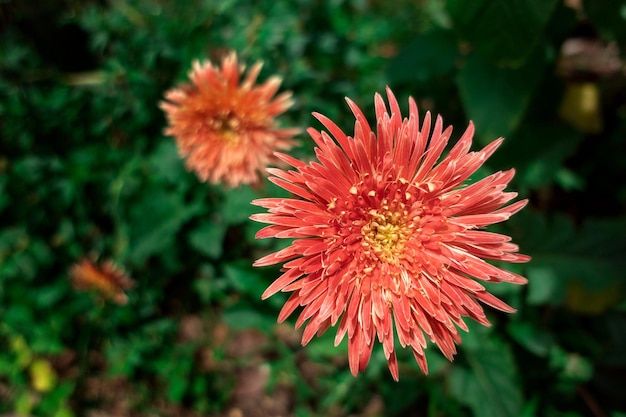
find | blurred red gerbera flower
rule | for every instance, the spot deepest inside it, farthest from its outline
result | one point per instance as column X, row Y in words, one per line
column 225, row 126
column 108, row 280
column 385, row 237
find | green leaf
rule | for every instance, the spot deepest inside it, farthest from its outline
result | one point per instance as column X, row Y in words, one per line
column 208, row 238
column 155, row 221
column 431, row 54
column 495, row 98
column 179, row 373
column 323, row 347
column 166, row 163
column 48, row 296
column 490, row 385
column 245, row 317
column 565, row 257
column 535, row 339
column 55, row 402
column 544, row 286
column 206, row 286
column 538, row 152
column 530, row 408
column 245, row 279
column 503, row 31
column 236, row 207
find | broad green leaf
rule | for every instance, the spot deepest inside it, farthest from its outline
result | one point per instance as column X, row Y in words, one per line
column 544, row 287
column 246, row 317
column 495, row 98
column 155, row 221
column 537, row 152
column 47, row 296
column 431, row 54
column 535, row 339
column 167, row 163
column 236, row 207
column 178, row 375
column 569, row 180
column 565, row 256
column 530, row 408
column 245, row 279
column 501, row 30
column 208, row 238
column 490, row 385
column 207, row 287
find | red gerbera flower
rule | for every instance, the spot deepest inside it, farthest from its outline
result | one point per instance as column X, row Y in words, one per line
column 107, row 279
column 226, row 128
column 386, row 239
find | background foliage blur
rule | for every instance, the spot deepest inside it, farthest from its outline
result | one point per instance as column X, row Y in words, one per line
column 85, row 171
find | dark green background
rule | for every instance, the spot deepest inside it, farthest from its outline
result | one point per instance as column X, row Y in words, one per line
column 85, row 169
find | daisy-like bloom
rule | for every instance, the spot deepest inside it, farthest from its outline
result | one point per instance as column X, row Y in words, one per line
column 224, row 125
column 386, row 240
column 106, row 279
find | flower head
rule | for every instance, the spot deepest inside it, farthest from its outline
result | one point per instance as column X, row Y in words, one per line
column 387, row 240
column 226, row 126
column 107, row 279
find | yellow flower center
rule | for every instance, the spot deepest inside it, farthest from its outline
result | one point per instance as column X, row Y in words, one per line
column 386, row 235
column 226, row 124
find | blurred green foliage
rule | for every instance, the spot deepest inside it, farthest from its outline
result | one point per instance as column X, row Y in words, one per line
column 86, row 171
